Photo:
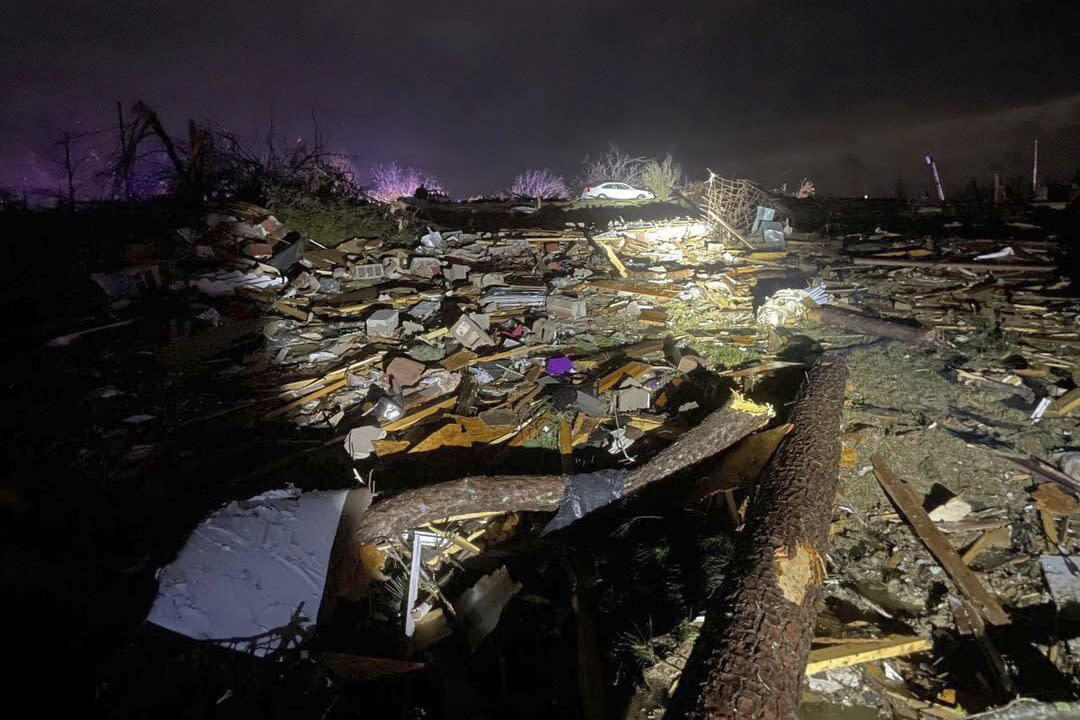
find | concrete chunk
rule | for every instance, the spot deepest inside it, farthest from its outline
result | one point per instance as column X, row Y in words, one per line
column 382, row 323
column 567, row 308
column 469, row 333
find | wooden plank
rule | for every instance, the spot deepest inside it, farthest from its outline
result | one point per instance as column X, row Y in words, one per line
column 860, row 651
column 757, row 369
column 286, row 309
column 1065, row 404
column 655, row 317
column 305, row 399
column 332, row 375
column 458, row 360
column 613, row 259
column 412, row 419
column 938, row 545
column 389, row 447
column 512, row 352
column 566, row 447
column 997, row 536
column 1049, row 529
column 464, row 432
column 633, row 369
column 585, row 430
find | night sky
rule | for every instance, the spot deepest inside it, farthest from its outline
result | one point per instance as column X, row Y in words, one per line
column 850, row 94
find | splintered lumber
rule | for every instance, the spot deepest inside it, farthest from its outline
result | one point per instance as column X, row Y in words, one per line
column 869, row 326
column 938, row 545
column 862, row 651
column 632, row 369
column 997, row 536
column 566, row 447
column 740, row 465
column 539, row 493
column 1065, row 404
column 946, row 265
column 412, row 419
column 286, row 309
column 613, row 259
column 305, row 399
column 750, row 659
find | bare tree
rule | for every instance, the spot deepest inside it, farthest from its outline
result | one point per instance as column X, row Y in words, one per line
column 614, row 165
column 539, row 184
column 70, row 154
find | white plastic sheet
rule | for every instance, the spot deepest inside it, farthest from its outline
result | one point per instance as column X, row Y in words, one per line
column 248, row 567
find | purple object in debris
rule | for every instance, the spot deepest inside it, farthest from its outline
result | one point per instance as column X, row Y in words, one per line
column 559, row 365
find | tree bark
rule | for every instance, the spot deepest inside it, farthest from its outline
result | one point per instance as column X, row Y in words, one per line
column 509, row 493
column 751, row 655
column 870, row 326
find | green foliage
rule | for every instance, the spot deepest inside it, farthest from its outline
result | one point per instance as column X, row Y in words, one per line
column 332, row 219
column 727, row 355
column 684, row 631
column 661, row 176
column 547, row 437
column 641, row 647
column 654, row 553
column 716, row 552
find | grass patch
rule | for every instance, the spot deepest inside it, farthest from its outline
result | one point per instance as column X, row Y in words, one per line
column 332, row 220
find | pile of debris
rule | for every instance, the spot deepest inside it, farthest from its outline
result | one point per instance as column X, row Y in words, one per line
column 618, row 350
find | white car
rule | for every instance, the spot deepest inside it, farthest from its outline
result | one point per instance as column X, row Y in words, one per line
column 615, row 191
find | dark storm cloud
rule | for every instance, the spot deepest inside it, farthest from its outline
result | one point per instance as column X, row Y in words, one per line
column 477, row 91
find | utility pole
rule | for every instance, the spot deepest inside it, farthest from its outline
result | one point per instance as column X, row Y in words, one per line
column 1035, row 169
column 937, row 178
column 124, row 166
column 69, row 169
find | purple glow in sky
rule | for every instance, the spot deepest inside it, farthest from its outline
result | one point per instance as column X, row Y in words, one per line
column 851, row 95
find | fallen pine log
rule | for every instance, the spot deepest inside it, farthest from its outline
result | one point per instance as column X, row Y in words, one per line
column 749, row 660
column 509, row 493
column 870, row 326
column 362, row 528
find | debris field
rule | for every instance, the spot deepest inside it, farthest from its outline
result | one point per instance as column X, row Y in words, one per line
column 534, row 467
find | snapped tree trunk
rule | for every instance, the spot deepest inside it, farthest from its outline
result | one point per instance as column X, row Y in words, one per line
column 509, row 493
column 751, row 655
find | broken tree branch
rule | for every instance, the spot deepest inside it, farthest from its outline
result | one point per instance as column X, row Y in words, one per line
column 508, row 493
column 870, row 326
column 750, row 658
